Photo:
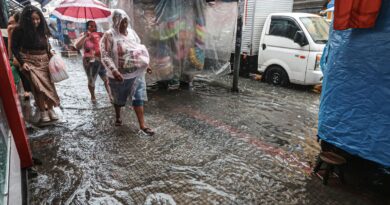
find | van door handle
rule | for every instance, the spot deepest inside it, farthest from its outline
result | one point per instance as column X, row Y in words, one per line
column 263, row 46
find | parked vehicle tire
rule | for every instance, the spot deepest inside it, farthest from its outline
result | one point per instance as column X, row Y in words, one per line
column 277, row 76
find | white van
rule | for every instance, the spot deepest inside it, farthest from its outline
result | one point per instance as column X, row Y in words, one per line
column 290, row 49
column 284, row 46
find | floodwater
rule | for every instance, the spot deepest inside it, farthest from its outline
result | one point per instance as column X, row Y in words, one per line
column 211, row 147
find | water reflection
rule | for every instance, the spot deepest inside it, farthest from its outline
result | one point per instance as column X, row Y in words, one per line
column 211, row 147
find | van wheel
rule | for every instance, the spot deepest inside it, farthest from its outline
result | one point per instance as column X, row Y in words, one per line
column 277, row 76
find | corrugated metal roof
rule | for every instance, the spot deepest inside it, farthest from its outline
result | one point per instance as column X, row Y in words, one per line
column 14, row 6
column 23, row 2
column 309, row 6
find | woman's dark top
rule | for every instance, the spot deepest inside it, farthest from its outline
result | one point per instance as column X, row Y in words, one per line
column 20, row 42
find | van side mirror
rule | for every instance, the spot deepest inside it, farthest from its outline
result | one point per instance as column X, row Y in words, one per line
column 300, row 38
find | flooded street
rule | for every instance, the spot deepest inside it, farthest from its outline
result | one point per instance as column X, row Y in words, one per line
column 211, row 147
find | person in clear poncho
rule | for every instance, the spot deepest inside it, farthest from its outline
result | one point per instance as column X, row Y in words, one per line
column 127, row 61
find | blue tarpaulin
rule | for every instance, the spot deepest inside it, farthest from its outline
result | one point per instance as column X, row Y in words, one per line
column 355, row 103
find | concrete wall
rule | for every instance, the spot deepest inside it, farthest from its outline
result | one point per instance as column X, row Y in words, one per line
column 15, row 178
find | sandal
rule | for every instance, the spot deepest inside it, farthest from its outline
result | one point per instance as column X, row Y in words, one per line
column 148, row 131
column 118, row 122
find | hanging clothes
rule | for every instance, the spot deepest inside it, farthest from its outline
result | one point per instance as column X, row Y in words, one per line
column 175, row 32
column 356, row 13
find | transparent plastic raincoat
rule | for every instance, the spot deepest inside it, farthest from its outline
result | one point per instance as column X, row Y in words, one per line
column 124, row 53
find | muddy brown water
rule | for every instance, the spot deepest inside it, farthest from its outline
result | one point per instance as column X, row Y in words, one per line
column 211, row 147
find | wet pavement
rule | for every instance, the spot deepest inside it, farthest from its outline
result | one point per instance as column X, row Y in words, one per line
column 211, row 147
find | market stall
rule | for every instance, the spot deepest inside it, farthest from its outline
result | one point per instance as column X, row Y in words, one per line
column 184, row 38
column 15, row 152
column 354, row 112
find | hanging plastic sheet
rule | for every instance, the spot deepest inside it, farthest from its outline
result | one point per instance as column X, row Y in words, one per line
column 354, row 112
column 174, row 33
column 221, row 20
column 185, row 38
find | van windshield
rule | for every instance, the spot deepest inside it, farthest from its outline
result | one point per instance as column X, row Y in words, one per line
column 318, row 29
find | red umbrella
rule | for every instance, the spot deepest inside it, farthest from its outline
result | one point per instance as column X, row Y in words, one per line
column 82, row 11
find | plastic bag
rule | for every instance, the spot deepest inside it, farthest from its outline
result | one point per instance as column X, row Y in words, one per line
column 135, row 58
column 57, row 69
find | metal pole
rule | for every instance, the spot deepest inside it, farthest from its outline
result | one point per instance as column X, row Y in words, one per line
column 237, row 52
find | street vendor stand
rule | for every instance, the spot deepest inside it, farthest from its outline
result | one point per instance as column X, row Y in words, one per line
column 355, row 103
column 184, row 38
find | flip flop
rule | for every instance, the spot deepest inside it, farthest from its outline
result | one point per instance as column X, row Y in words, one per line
column 148, row 131
column 118, row 122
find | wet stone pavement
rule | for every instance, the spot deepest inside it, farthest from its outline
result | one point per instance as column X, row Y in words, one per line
column 211, row 147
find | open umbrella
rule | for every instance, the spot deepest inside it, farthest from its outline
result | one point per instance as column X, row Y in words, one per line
column 82, row 10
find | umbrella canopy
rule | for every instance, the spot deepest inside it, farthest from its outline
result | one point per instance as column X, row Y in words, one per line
column 82, row 10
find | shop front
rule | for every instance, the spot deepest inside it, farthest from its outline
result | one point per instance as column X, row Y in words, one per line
column 15, row 154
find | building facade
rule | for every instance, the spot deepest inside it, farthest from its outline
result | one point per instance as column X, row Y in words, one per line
column 309, row 6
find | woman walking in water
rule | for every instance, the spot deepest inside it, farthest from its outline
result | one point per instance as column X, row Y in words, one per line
column 31, row 48
column 93, row 67
column 126, row 60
